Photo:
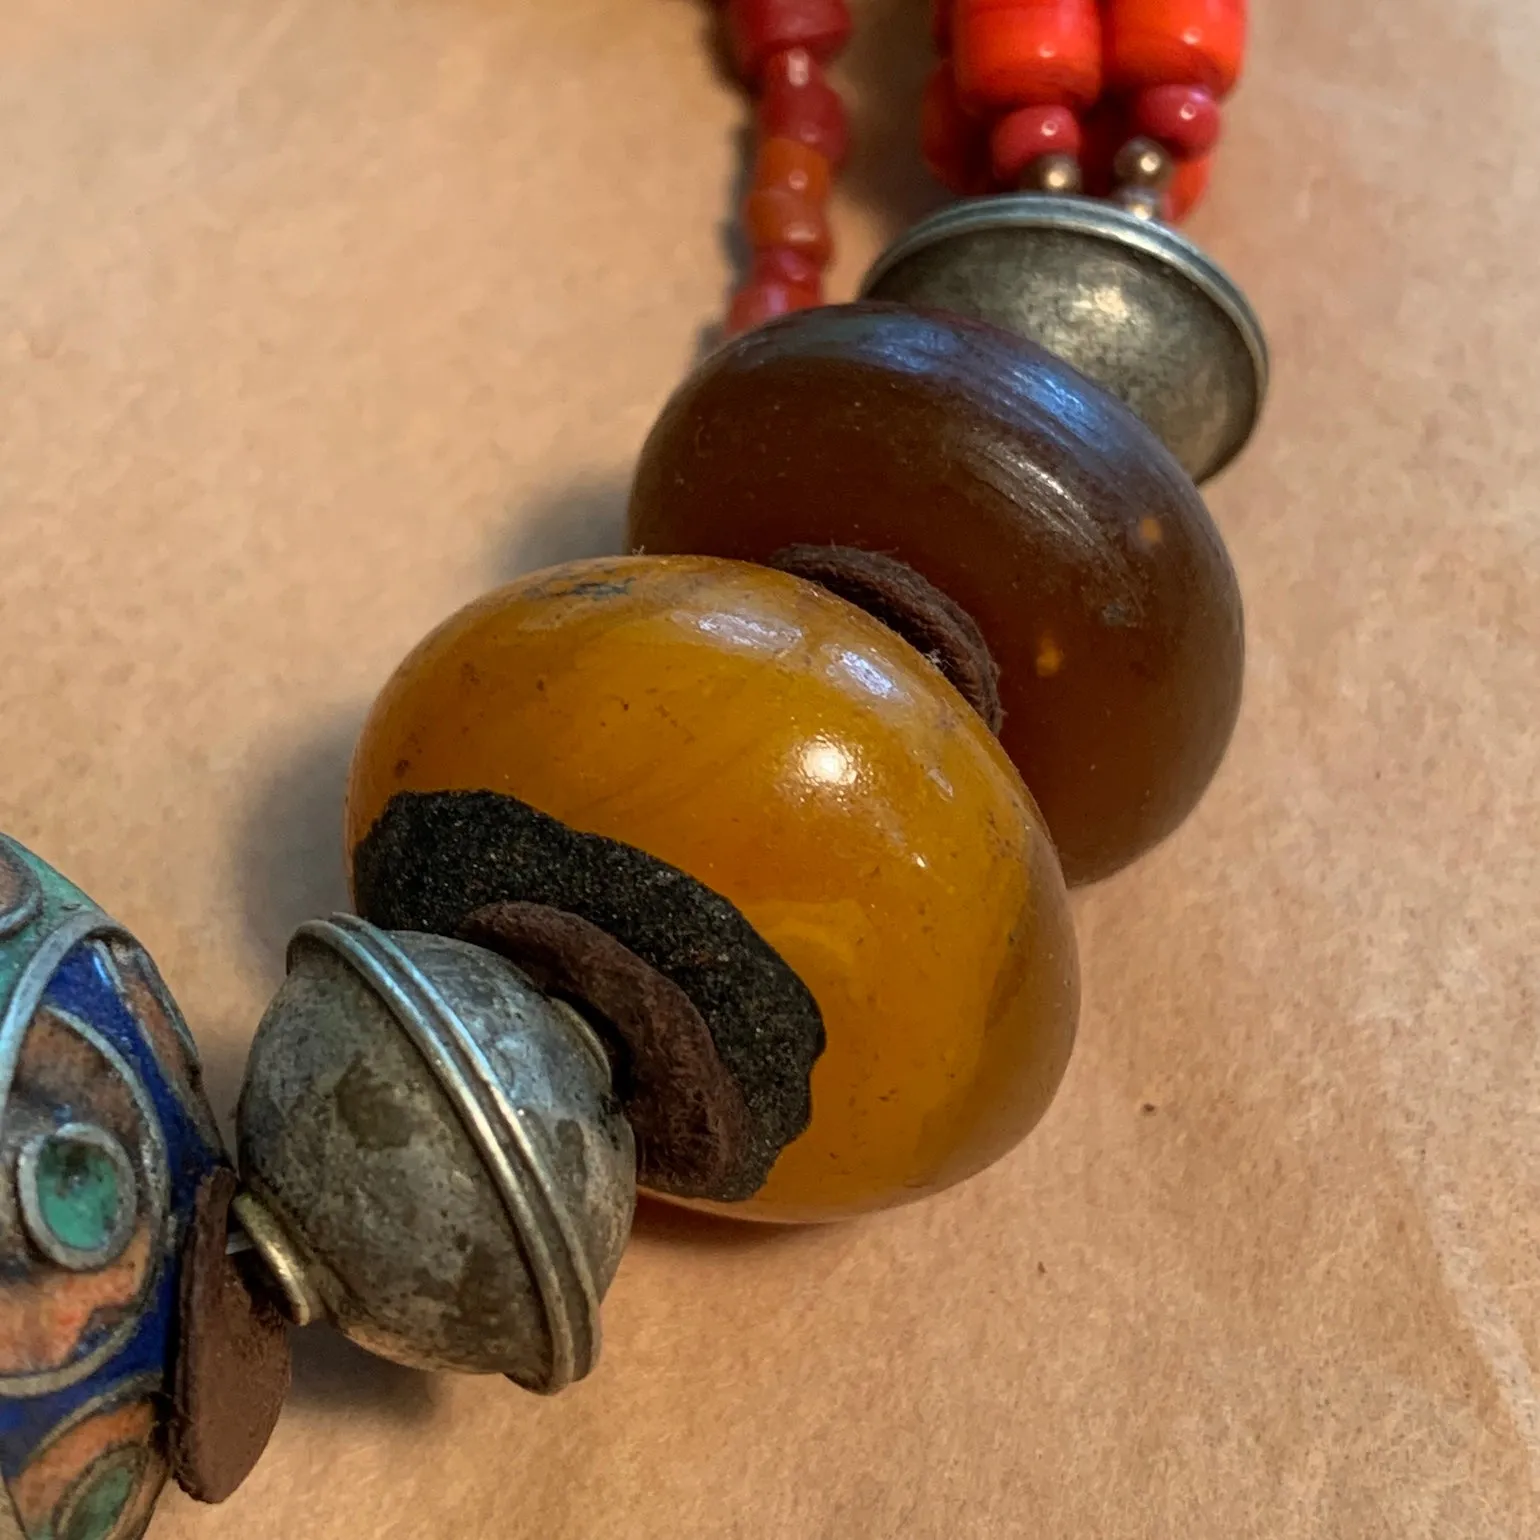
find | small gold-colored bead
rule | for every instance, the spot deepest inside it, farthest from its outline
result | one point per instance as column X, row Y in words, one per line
column 1059, row 174
column 1141, row 202
column 1142, row 163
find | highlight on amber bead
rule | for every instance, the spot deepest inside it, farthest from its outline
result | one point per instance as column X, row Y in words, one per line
column 793, row 755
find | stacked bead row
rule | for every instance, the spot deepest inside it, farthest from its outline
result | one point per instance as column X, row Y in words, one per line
column 1117, row 98
column 780, row 48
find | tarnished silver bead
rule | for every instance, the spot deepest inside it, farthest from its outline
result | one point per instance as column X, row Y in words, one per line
column 1055, row 174
column 433, row 1157
column 1141, row 201
column 1131, row 303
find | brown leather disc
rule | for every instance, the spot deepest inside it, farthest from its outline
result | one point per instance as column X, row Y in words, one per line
column 685, row 1108
column 894, row 593
column 232, row 1371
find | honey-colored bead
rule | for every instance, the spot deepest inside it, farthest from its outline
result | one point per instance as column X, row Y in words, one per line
column 791, row 753
column 1023, row 492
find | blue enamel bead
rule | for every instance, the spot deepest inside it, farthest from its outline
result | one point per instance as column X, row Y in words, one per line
column 105, row 1137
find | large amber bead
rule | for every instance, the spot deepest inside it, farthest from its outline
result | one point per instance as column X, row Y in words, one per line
column 1021, row 490
column 794, row 755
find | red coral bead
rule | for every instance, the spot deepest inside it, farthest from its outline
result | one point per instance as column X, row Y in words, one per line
column 797, row 102
column 756, row 302
column 778, row 217
column 1175, row 43
column 1027, row 134
column 1027, row 53
column 780, row 264
column 1186, row 119
column 954, row 143
column 1187, row 188
column 941, row 25
column 759, row 29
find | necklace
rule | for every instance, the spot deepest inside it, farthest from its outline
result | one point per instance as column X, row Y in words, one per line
column 713, row 867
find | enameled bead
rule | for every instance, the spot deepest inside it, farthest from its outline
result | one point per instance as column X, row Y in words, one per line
column 792, row 754
column 1175, row 43
column 1024, row 53
column 106, row 1139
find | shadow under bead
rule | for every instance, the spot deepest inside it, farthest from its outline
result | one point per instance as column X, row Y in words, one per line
column 1027, row 495
column 438, row 1163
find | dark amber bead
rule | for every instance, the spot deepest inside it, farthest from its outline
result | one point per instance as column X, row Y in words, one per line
column 1025, row 493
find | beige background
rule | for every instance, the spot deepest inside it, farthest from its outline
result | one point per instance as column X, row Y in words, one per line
column 319, row 316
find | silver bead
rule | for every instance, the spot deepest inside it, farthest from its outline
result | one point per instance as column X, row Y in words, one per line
column 1055, row 174
column 434, row 1159
column 1130, row 302
column 1142, row 163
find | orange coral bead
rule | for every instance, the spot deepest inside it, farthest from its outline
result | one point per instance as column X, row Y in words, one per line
column 1188, row 185
column 1175, row 43
column 776, row 216
column 1027, row 53
column 790, row 752
column 793, row 165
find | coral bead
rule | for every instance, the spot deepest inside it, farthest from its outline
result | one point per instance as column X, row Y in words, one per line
column 1185, row 119
column 763, row 299
column 1175, row 43
column 1027, row 135
column 778, row 217
column 1188, row 187
column 1032, row 499
column 953, row 142
column 759, row 29
column 796, row 102
column 1024, row 53
column 793, row 165
column 780, row 264
column 791, row 753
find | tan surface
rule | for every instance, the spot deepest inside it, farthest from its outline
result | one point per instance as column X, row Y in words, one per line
column 319, row 316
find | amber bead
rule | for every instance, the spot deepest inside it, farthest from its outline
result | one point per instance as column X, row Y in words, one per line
column 758, row 30
column 1023, row 53
column 797, row 102
column 1175, row 43
column 778, row 217
column 791, row 753
column 1029, row 496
